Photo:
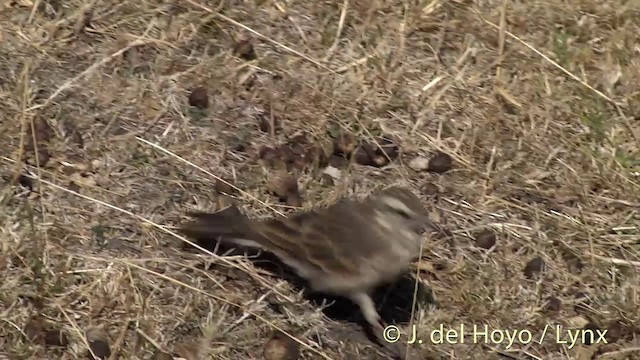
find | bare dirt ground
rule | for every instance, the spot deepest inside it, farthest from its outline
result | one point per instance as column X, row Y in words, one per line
column 537, row 103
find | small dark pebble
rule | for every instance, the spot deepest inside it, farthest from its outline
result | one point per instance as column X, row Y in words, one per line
column 268, row 123
column 553, row 304
column 369, row 155
column 387, row 147
column 244, row 49
column 161, row 355
column 267, row 154
column 264, row 123
column 281, row 347
column 573, row 261
column 440, row 163
column 614, row 331
column 485, row 239
column 363, row 155
column 430, row 189
column 224, row 187
column 287, row 154
column 43, row 132
column 41, row 95
column 55, row 338
column 344, row 145
column 338, row 162
column 589, row 337
column 293, row 199
column 199, row 98
column 33, row 329
column 100, row 349
column 296, row 162
column 283, row 186
column 43, row 156
column 298, row 144
column 534, row 267
column 26, row 182
column 377, row 154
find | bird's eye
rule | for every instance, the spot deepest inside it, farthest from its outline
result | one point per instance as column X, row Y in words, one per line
column 401, row 212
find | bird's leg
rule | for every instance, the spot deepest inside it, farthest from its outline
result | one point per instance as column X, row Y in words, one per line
column 368, row 309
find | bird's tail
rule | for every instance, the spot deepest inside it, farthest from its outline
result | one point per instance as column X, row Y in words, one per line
column 228, row 225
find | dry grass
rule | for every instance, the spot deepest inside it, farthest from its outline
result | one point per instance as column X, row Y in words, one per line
column 537, row 102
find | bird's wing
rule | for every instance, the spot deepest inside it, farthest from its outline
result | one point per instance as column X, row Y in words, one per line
column 312, row 238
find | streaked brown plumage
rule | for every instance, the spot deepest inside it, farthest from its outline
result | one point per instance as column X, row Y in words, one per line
column 346, row 249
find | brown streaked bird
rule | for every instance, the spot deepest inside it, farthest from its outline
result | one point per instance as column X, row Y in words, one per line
column 346, row 249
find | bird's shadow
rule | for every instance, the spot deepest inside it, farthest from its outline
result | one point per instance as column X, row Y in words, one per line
column 394, row 301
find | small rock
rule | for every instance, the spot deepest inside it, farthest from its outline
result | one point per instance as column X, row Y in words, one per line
column 38, row 152
column 338, row 161
column 333, row 172
column 388, row 148
column 33, row 329
column 327, row 180
column 589, row 337
column 55, row 338
column 440, row 163
column 574, row 263
column 344, row 145
column 188, row 350
column 224, row 187
column 614, row 331
column 534, row 267
column 25, row 181
column 268, row 154
column 294, row 161
column 290, row 157
column 419, row 163
column 364, row 155
column 553, row 304
column 161, row 355
column 268, row 123
column 281, row 347
column 486, row 239
column 199, row 98
column 298, row 163
column 223, row 201
column 99, row 344
column 372, row 155
column 430, row 189
column 244, row 49
column 282, row 186
column 100, row 349
column 293, row 200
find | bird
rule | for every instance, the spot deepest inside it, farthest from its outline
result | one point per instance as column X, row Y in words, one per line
column 345, row 249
